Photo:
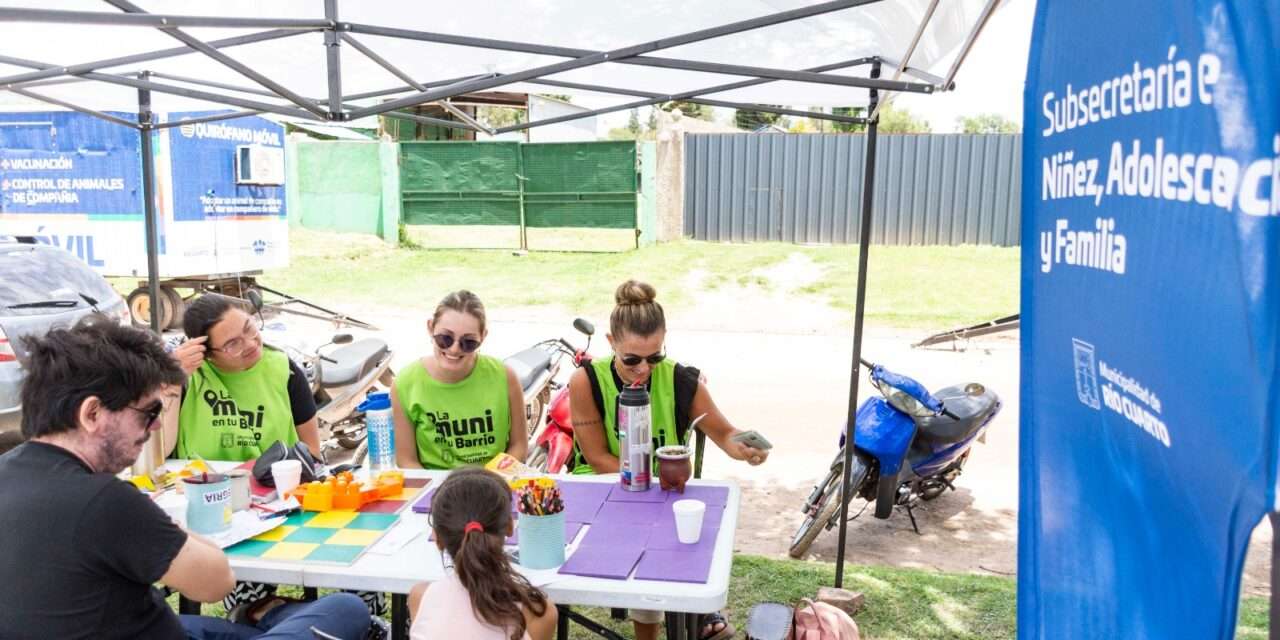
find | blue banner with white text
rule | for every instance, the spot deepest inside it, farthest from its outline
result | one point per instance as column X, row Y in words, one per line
column 1150, row 313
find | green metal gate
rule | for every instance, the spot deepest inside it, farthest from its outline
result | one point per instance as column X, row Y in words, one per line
column 499, row 190
column 460, row 183
column 580, row 184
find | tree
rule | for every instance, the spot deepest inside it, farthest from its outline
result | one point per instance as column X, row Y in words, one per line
column 986, row 123
column 633, row 122
column 750, row 120
column 689, row 109
column 894, row 120
column 847, row 127
column 653, row 119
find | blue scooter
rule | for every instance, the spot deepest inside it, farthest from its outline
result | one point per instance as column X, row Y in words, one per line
column 908, row 445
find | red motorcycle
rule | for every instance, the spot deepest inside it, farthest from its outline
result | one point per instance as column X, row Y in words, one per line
column 550, row 440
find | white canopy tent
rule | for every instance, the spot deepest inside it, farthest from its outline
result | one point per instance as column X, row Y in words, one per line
column 325, row 60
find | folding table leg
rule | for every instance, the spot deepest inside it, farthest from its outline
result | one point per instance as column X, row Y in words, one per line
column 675, row 625
column 399, row 616
column 562, row 623
column 691, row 625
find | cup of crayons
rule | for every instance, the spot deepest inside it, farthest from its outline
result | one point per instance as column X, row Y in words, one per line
column 540, row 526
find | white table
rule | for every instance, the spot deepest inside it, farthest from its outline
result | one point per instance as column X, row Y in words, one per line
column 420, row 561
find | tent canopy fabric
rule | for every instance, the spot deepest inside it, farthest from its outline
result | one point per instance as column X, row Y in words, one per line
column 296, row 58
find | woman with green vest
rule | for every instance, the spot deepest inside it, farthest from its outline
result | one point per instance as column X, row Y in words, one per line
column 637, row 334
column 455, row 407
column 240, row 397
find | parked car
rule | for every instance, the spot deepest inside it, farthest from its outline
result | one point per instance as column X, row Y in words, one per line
column 42, row 287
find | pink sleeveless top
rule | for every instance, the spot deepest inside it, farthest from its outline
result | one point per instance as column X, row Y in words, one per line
column 445, row 613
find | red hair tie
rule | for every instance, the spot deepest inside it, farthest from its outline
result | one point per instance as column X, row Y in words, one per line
column 473, row 526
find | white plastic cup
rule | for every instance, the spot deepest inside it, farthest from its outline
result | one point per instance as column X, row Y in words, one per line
column 241, row 490
column 287, row 474
column 689, row 519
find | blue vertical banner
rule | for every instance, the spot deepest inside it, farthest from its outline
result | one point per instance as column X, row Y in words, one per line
column 204, row 168
column 67, row 163
column 1150, row 313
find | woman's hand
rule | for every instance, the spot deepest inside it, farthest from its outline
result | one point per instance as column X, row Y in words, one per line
column 749, row 454
column 190, row 354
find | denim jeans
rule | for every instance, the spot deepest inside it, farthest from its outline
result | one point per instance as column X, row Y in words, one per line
column 341, row 615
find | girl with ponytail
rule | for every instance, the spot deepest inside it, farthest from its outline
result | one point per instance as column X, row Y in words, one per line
column 482, row 598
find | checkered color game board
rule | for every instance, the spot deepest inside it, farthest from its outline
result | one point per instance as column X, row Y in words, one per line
column 337, row 537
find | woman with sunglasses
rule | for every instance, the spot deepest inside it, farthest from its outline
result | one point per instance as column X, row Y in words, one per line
column 455, row 407
column 637, row 333
column 240, row 397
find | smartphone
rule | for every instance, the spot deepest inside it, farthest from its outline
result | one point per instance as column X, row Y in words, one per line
column 752, row 439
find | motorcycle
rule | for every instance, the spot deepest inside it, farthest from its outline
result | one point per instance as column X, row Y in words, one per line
column 550, row 443
column 339, row 379
column 909, row 445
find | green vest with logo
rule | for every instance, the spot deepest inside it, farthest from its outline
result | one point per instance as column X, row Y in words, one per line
column 460, row 423
column 662, row 408
column 237, row 416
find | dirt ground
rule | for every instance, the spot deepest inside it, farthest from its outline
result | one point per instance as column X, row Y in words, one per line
column 779, row 363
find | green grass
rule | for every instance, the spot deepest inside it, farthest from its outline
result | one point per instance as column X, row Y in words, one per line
column 900, row 603
column 908, row 286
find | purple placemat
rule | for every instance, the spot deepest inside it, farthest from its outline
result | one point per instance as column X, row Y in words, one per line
column 653, row 494
column 614, row 563
column 612, row 534
column 712, row 496
column 673, row 566
column 633, row 512
column 583, row 499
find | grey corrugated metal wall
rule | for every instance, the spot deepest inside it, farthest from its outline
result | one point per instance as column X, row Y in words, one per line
column 944, row 189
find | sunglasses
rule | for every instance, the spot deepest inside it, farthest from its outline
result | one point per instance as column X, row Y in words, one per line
column 151, row 412
column 445, row 341
column 632, row 360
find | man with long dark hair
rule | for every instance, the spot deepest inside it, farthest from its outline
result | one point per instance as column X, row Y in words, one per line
column 79, row 548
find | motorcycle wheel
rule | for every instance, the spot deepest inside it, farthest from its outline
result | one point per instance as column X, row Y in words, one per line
column 828, row 508
column 348, row 443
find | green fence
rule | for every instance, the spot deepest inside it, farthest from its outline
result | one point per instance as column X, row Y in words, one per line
column 340, row 186
column 507, row 188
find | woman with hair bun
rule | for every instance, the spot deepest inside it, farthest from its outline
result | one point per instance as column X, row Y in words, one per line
column 637, row 335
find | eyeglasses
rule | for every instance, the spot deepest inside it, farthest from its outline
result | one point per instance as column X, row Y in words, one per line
column 242, row 344
column 466, row 343
column 151, row 412
column 632, row 360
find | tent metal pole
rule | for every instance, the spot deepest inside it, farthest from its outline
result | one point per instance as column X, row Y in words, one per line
column 214, row 118
column 983, row 18
column 212, row 84
column 149, row 208
column 911, row 49
column 85, row 110
column 402, row 115
column 138, row 83
column 635, row 50
column 418, row 86
column 586, row 57
column 859, row 307
column 227, row 61
column 683, row 95
column 439, row 83
column 917, row 73
column 333, row 60
column 715, row 103
column 159, row 21
column 77, row 69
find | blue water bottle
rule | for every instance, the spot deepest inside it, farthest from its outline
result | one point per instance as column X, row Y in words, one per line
column 380, row 431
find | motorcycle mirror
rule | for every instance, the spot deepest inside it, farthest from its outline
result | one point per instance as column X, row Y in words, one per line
column 341, row 338
column 584, row 326
column 255, row 299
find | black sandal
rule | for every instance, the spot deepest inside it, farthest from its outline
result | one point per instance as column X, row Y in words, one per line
column 711, row 620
